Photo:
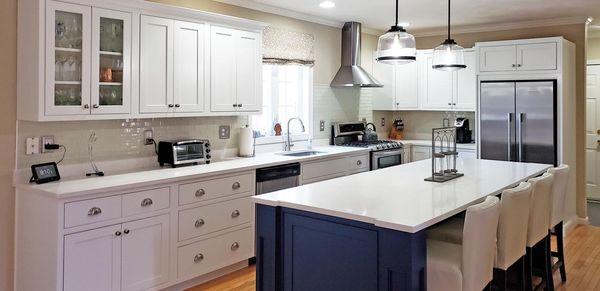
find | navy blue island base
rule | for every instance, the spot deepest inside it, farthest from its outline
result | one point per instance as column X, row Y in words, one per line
column 300, row 250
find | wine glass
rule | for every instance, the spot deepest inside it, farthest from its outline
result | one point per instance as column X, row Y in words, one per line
column 59, row 68
column 60, row 30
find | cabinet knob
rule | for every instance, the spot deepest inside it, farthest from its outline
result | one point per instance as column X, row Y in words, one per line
column 235, row 246
column 200, row 192
column 95, row 106
column 450, row 103
column 514, row 65
column 171, row 105
column 199, row 223
column 359, row 162
column 86, row 106
column 198, row 258
column 118, row 233
column 126, row 231
column 147, row 202
column 519, row 65
column 454, row 104
column 235, row 105
column 240, row 105
column 236, row 186
column 177, row 105
column 235, row 213
column 94, row 211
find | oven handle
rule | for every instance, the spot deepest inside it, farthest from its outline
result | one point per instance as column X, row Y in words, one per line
column 386, row 153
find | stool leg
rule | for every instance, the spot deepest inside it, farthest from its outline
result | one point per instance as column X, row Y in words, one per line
column 561, row 250
column 548, row 255
column 528, row 269
column 499, row 280
column 521, row 273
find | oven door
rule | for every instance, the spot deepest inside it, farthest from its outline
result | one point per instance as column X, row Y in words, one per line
column 188, row 152
column 387, row 158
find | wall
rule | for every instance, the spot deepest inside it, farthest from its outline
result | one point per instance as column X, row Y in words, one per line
column 8, row 93
column 593, row 48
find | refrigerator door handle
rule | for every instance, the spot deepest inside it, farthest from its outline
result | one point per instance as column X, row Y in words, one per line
column 509, row 138
column 520, row 134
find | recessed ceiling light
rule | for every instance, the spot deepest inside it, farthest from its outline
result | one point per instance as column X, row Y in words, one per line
column 327, row 4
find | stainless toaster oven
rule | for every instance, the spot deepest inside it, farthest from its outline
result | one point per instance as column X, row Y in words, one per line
column 184, row 152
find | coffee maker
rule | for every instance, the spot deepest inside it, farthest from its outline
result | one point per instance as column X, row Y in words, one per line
column 463, row 133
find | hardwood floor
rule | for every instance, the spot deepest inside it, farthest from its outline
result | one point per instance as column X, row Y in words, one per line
column 582, row 257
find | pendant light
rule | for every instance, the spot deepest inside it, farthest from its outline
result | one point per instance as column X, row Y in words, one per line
column 449, row 56
column 396, row 46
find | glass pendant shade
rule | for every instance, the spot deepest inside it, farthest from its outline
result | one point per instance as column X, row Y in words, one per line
column 396, row 47
column 449, row 56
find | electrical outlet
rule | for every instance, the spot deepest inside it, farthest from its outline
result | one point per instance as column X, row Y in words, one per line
column 224, row 131
column 322, row 125
column 33, row 146
column 148, row 136
column 47, row 139
column 383, row 122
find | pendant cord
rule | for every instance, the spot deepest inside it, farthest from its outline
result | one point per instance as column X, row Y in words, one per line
column 396, row 12
column 448, row 19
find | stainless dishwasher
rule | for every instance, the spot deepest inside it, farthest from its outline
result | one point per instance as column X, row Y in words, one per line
column 277, row 178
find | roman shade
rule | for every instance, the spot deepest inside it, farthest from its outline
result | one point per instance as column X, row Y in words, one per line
column 283, row 46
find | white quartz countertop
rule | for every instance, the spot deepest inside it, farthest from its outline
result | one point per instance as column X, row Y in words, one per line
column 92, row 185
column 398, row 197
column 421, row 142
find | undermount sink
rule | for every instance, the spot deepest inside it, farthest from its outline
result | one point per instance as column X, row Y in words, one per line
column 300, row 153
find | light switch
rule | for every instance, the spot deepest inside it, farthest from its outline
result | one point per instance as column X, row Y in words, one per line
column 33, row 146
column 322, row 125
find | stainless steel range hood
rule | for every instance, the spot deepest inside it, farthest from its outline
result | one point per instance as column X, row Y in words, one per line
column 351, row 74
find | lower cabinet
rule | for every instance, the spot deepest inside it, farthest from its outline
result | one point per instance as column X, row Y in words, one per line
column 321, row 170
column 419, row 153
column 128, row 256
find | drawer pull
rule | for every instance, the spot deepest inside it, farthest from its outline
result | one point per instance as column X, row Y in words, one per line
column 118, row 233
column 126, row 231
column 235, row 246
column 236, row 186
column 199, row 223
column 147, row 202
column 359, row 162
column 198, row 258
column 200, row 192
column 235, row 213
column 94, row 211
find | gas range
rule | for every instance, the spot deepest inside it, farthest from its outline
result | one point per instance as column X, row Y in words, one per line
column 377, row 145
column 384, row 153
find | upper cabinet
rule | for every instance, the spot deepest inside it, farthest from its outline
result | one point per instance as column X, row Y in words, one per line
column 104, row 61
column 417, row 86
column 235, row 70
column 522, row 55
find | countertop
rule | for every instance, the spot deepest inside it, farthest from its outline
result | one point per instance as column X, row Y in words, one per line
column 421, row 142
column 70, row 188
column 398, row 197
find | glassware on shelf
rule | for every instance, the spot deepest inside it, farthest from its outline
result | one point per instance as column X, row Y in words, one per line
column 59, row 69
column 60, row 28
column 111, row 95
column 111, row 35
column 67, row 95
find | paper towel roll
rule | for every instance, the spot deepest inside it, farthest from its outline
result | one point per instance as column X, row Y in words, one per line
column 246, row 142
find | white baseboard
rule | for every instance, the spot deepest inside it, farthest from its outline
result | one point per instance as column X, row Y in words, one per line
column 572, row 222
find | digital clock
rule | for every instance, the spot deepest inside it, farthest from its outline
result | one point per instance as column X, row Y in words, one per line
column 43, row 173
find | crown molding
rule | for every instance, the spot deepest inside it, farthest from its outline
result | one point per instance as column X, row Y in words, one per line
column 498, row 26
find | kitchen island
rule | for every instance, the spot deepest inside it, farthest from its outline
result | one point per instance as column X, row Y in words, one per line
column 367, row 231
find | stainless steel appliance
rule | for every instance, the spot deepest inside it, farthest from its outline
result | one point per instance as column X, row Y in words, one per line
column 463, row 132
column 277, row 178
column 384, row 153
column 518, row 121
column 184, row 152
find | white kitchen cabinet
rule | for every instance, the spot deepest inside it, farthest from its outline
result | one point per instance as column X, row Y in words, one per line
column 190, row 69
column 326, row 169
column 156, row 65
column 400, row 86
column 419, row 153
column 68, row 59
column 145, row 253
column 235, row 70
column 445, row 90
column 92, row 260
column 519, row 55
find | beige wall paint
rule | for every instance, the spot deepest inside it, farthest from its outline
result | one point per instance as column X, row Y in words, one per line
column 593, row 48
column 8, row 109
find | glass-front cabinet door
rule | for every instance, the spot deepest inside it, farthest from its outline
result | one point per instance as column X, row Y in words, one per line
column 111, row 45
column 68, row 28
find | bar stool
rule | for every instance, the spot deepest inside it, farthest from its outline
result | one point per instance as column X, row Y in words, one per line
column 559, row 197
column 468, row 266
column 538, row 237
column 512, row 234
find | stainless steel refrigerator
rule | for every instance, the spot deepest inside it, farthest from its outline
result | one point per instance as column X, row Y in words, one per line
column 518, row 121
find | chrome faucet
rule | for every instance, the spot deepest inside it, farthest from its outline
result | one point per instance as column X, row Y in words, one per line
column 287, row 146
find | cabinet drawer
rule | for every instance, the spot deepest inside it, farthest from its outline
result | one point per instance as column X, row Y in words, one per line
column 90, row 211
column 210, row 218
column 358, row 163
column 206, row 190
column 146, row 201
column 212, row 254
column 325, row 168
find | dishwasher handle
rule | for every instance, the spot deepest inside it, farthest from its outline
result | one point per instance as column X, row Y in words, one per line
column 277, row 172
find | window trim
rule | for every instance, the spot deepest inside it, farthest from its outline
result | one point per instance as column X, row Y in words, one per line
column 303, row 136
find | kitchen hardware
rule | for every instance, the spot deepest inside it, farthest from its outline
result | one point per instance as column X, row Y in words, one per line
column 287, row 146
column 184, row 152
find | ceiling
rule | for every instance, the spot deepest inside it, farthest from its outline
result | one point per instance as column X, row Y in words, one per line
column 426, row 15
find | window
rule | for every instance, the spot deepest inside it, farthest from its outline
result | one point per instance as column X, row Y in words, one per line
column 287, row 93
